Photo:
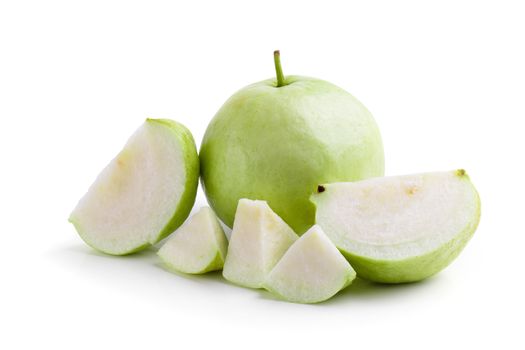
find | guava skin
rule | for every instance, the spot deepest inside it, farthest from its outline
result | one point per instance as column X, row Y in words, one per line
column 278, row 143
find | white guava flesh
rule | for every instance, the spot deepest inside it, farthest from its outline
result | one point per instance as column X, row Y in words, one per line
column 259, row 239
column 312, row 270
column 198, row 246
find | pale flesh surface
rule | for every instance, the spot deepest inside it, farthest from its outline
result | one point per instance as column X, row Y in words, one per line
column 132, row 202
column 402, row 220
column 198, row 246
column 259, row 239
column 311, row 271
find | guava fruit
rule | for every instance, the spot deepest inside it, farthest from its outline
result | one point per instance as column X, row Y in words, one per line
column 400, row 228
column 145, row 192
column 198, row 246
column 259, row 239
column 276, row 140
column 312, row 270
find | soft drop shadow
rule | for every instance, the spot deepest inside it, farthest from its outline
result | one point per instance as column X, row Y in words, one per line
column 263, row 294
column 124, row 271
column 86, row 250
column 363, row 290
column 213, row 276
column 90, row 261
column 359, row 291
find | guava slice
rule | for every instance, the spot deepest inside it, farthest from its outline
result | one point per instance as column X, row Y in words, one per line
column 145, row 192
column 198, row 246
column 312, row 270
column 401, row 228
column 259, row 239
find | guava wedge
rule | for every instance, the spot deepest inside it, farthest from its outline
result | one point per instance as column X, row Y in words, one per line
column 401, row 228
column 312, row 270
column 259, row 239
column 145, row 192
column 198, row 246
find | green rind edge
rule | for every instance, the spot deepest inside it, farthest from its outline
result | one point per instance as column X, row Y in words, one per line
column 215, row 265
column 351, row 275
column 191, row 162
column 79, row 231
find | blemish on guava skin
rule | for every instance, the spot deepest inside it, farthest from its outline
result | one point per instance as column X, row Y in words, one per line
column 320, row 189
column 460, row 172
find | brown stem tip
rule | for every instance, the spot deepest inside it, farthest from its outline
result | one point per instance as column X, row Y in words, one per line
column 320, row 189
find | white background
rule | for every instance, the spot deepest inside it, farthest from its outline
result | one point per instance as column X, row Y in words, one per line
column 444, row 80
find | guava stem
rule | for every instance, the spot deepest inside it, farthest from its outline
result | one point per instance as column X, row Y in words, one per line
column 278, row 69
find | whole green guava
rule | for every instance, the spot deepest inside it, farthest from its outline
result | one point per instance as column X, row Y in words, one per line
column 278, row 139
